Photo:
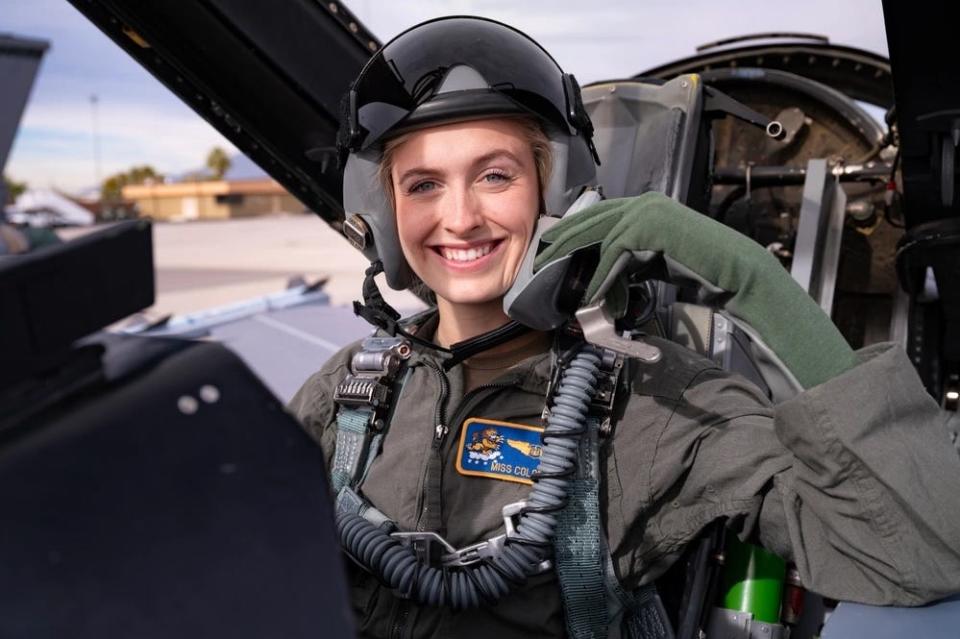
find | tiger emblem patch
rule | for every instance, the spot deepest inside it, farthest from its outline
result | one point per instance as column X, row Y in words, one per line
column 499, row 450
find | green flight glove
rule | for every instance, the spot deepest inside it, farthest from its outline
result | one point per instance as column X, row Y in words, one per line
column 732, row 271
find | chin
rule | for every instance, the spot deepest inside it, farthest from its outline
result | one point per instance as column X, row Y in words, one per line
column 469, row 295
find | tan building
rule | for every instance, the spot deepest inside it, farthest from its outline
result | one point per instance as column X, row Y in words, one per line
column 213, row 200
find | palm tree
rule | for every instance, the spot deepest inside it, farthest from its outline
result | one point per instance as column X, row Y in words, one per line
column 218, row 161
column 112, row 188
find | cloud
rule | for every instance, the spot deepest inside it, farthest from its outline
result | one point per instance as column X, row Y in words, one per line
column 141, row 122
column 55, row 143
column 599, row 40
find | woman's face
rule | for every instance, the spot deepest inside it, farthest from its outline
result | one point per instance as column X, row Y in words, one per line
column 466, row 197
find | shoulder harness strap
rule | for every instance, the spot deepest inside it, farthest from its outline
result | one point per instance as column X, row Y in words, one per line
column 595, row 604
column 365, row 399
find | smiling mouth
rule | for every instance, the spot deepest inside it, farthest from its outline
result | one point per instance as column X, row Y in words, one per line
column 467, row 255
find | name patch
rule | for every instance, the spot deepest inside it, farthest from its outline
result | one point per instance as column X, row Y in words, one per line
column 501, row 450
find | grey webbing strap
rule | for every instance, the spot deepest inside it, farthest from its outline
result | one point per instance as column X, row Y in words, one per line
column 579, row 553
column 365, row 397
column 350, row 501
column 646, row 618
column 353, row 446
column 640, row 614
column 593, row 597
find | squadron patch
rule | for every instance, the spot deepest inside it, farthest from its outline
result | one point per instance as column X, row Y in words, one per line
column 500, row 450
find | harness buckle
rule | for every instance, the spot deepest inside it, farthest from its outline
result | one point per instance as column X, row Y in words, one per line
column 432, row 548
column 475, row 553
column 608, row 383
column 607, row 386
column 372, row 371
column 429, row 546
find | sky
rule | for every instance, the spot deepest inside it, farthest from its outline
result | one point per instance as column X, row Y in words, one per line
column 140, row 122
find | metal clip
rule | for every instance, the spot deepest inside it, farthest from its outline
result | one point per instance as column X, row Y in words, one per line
column 380, row 355
column 372, row 372
column 432, row 548
column 606, row 395
column 474, row 553
column 360, row 391
column 357, row 231
column 428, row 546
column 598, row 329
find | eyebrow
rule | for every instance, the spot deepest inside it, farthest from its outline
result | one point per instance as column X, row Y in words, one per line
column 420, row 171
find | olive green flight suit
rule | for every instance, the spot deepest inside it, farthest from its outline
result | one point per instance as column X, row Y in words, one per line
column 855, row 480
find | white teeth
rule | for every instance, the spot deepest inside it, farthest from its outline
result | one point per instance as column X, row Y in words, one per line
column 466, row 255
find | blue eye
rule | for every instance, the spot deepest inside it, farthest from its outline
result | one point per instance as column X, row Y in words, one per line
column 422, row 187
column 495, row 177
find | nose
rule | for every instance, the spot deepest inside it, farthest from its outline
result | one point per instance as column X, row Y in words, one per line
column 463, row 212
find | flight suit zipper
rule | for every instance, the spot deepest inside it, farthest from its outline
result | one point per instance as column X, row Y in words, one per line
column 469, row 400
column 430, row 515
column 430, row 500
column 400, row 620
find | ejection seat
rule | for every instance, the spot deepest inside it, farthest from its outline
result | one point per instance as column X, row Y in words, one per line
column 655, row 136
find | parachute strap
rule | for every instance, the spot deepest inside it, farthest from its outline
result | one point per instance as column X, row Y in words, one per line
column 365, row 397
column 579, row 553
column 593, row 597
column 354, row 442
column 646, row 617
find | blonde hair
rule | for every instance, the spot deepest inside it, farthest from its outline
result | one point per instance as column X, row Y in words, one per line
column 536, row 137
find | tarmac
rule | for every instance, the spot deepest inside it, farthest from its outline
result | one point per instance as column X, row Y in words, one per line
column 205, row 264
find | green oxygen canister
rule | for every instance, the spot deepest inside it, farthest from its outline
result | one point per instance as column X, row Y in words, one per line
column 753, row 580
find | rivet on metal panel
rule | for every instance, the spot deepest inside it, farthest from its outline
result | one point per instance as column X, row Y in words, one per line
column 187, row 405
column 333, row 7
column 209, row 393
column 353, row 27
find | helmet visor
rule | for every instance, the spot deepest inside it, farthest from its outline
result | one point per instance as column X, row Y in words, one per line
column 407, row 71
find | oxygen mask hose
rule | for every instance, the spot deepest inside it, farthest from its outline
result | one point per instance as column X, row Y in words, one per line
column 520, row 555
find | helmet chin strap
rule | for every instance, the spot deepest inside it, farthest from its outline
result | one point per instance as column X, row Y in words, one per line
column 377, row 312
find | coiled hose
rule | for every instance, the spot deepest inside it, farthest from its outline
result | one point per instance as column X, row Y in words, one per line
column 520, row 555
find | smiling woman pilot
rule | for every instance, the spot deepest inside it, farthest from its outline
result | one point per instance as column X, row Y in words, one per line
column 461, row 137
column 466, row 198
